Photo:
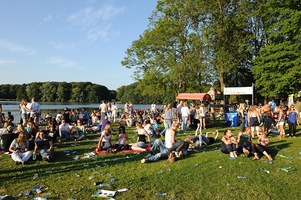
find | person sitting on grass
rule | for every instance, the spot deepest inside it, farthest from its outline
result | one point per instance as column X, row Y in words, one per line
column 170, row 139
column 64, row 130
column 105, row 139
column 44, row 144
column 80, row 131
column 262, row 147
column 201, row 139
column 121, row 139
column 141, row 142
column 53, row 133
column 244, row 142
column 20, row 149
column 229, row 144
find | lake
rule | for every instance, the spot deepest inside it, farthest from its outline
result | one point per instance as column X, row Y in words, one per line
column 54, row 107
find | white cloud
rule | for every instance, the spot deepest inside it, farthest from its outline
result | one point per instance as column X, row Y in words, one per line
column 63, row 63
column 48, row 18
column 16, row 48
column 96, row 23
column 5, row 62
column 57, row 45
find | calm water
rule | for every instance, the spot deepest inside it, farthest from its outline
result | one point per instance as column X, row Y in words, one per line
column 54, row 107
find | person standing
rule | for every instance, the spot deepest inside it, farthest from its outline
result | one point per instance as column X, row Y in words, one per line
column 153, row 108
column 242, row 116
column 267, row 118
column 185, row 115
column 114, row 111
column 179, row 107
column 103, row 109
column 35, row 114
column 292, row 121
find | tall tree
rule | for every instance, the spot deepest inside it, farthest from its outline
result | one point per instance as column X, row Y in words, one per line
column 277, row 68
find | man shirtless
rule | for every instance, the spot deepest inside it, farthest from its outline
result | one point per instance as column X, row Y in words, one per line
column 268, row 117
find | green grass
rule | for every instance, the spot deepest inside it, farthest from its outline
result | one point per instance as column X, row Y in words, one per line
column 197, row 176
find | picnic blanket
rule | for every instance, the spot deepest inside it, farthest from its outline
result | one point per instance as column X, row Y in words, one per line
column 148, row 148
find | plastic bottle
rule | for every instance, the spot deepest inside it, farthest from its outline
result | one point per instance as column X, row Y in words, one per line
column 265, row 170
column 34, row 156
column 39, row 198
column 241, row 177
column 1, row 143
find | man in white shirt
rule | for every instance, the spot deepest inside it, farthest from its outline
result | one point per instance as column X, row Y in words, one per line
column 64, row 130
column 114, row 111
column 153, row 108
column 103, row 109
column 36, row 108
column 179, row 108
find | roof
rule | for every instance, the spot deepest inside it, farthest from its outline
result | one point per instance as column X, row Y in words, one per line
column 194, row 96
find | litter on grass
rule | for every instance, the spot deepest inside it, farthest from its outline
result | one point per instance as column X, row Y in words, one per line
column 288, row 169
column 284, row 156
column 241, row 177
column 113, row 179
column 266, row 171
column 122, row 190
column 161, row 194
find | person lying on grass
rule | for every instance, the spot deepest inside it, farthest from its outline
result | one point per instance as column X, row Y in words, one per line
column 44, row 144
column 228, row 145
column 141, row 142
column 262, row 147
column 244, row 142
column 202, row 140
column 20, row 149
column 105, row 139
column 162, row 154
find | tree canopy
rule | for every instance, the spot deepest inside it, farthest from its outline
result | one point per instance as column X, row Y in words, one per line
column 189, row 45
column 58, row 92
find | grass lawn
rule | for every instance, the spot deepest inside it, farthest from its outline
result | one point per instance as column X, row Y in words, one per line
column 200, row 175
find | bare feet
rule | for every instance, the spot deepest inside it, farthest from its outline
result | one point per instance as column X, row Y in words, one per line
column 255, row 158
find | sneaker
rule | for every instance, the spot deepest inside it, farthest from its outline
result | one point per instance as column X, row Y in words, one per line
column 143, row 161
column 231, row 155
column 177, row 154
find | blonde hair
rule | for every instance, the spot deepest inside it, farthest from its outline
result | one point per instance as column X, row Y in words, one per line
column 21, row 139
column 108, row 129
column 252, row 108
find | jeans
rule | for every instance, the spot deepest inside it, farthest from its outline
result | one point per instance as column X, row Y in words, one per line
column 43, row 153
column 184, row 122
column 202, row 140
column 177, row 146
column 168, row 124
column 163, row 154
column 65, row 134
column 105, row 145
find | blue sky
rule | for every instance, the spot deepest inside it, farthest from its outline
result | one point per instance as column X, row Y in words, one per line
column 69, row 40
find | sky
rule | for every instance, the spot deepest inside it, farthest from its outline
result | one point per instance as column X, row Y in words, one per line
column 70, row 40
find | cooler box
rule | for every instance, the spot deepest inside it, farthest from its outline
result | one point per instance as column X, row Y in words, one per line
column 232, row 118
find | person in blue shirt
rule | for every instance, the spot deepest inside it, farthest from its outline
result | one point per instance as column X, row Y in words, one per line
column 85, row 116
column 292, row 121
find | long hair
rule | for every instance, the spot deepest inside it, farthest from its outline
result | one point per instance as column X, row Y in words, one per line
column 21, row 139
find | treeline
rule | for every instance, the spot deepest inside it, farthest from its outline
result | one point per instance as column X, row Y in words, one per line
column 58, row 92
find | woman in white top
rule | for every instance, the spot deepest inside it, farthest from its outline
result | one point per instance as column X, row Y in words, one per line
column 121, row 139
column 114, row 111
column 201, row 113
column 171, row 144
column 185, row 114
column 20, row 149
column 105, row 139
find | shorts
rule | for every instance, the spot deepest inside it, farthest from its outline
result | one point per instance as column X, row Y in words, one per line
column 252, row 128
column 281, row 123
column 24, row 116
column 202, row 117
column 141, row 144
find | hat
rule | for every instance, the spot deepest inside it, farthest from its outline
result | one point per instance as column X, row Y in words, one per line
column 65, row 108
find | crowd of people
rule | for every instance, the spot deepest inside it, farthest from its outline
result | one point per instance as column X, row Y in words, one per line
column 162, row 123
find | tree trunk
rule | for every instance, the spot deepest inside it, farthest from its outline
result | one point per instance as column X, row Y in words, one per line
column 221, row 79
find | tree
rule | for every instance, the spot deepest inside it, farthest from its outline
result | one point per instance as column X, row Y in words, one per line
column 49, row 91
column 277, row 68
column 63, row 92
